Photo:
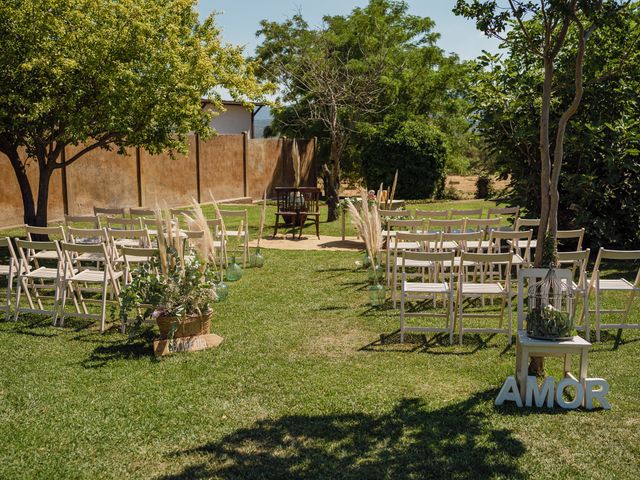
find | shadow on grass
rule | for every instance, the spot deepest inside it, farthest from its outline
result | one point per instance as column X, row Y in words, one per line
column 410, row 441
column 102, row 355
column 425, row 343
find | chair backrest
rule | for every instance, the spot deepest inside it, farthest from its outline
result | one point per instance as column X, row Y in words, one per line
column 176, row 213
column 577, row 260
column 87, row 235
column 215, row 226
column 427, row 241
column 462, row 239
column 27, row 249
column 475, row 212
column 496, row 237
column 506, row 211
column 57, row 231
column 122, row 223
column 91, row 221
column 429, row 214
column 72, row 252
column 443, row 264
column 446, row 226
column 489, row 264
column 140, row 235
column 486, row 224
column 578, row 235
column 311, row 197
column 141, row 212
column 97, row 211
column 618, row 255
column 526, row 222
column 135, row 254
column 5, row 242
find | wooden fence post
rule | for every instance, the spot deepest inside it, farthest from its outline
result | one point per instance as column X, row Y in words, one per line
column 245, row 153
column 139, row 177
column 198, row 167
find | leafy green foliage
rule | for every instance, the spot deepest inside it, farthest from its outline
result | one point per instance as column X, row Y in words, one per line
column 599, row 184
column 414, row 148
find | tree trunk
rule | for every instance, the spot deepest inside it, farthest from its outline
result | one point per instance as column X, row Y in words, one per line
column 43, row 197
column 26, row 192
column 331, row 178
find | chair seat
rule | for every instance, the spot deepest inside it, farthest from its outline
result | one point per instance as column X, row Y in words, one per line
column 128, row 242
column 43, row 273
column 614, row 284
column 90, row 257
column 46, row 255
column 477, row 245
column 420, row 287
column 414, row 263
column 481, row 288
column 96, row 276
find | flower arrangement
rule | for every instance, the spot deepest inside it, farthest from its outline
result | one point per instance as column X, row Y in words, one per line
column 177, row 287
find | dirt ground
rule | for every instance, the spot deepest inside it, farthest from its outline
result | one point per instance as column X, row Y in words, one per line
column 310, row 242
column 466, row 185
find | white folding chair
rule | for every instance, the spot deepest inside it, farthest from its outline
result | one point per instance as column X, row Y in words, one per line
column 387, row 215
column 82, row 221
column 446, row 226
column 393, row 227
column 486, row 225
column 50, row 232
column 469, row 213
column 577, row 262
column 241, row 233
column 101, row 211
column 600, row 285
column 488, row 281
column 518, row 242
column 219, row 239
column 410, row 241
column 504, row 211
column 121, row 223
column 128, row 238
column 33, row 278
column 432, row 214
column 10, row 271
column 574, row 237
column 530, row 224
column 133, row 257
column 80, row 280
column 141, row 212
column 440, row 284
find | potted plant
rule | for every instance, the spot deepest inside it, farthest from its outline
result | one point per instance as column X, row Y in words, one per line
column 177, row 288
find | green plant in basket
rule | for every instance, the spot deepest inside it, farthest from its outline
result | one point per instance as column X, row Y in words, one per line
column 549, row 322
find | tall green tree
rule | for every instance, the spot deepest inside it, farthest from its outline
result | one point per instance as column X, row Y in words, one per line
column 106, row 74
column 352, row 73
column 602, row 145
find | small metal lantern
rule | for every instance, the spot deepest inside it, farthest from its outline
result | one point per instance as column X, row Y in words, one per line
column 551, row 312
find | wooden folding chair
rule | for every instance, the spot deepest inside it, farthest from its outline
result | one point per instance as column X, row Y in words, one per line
column 430, row 214
column 488, row 281
column 409, row 241
column 577, row 262
column 121, row 223
column 504, row 211
column 518, row 242
column 530, row 224
column 110, row 212
column 242, row 232
column 393, row 227
column 133, row 257
column 81, row 279
column 219, row 239
column 135, row 212
column 600, row 285
column 10, row 271
column 573, row 237
column 446, row 226
column 82, row 221
column 33, row 278
column 56, row 232
column 128, row 238
column 440, row 284
column 470, row 213
column 486, row 225
column 386, row 215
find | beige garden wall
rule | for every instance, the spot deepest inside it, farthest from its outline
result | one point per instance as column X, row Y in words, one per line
column 229, row 166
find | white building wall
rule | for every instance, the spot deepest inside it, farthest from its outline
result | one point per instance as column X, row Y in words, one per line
column 235, row 119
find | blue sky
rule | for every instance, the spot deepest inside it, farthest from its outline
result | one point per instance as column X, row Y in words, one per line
column 240, row 19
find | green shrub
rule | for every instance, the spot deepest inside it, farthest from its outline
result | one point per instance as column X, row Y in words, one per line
column 414, row 148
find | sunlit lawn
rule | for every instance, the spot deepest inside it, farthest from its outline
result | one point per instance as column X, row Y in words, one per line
column 310, row 382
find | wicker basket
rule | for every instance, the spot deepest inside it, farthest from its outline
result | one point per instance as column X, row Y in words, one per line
column 189, row 327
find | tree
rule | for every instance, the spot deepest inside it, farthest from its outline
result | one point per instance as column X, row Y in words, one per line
column 339, row 80
column 602, row 145
column 106, row 74
column 546, row 28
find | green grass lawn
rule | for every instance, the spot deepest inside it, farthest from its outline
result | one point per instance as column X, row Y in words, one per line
column 310, row 382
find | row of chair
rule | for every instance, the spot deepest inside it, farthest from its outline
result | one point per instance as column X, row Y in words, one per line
column 447, row 266
column 475, row 213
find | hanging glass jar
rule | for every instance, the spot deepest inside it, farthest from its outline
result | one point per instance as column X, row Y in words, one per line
column 377, row 295
column 256, row 260
column 234, row 271
column 222, row 291
column 551, row 312
column 375, row 273
column 366, row 261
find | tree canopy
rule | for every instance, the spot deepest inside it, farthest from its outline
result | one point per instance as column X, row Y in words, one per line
column 357, row 72
column 107, row 73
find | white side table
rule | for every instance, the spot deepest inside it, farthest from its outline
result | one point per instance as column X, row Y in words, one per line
column 527, row 347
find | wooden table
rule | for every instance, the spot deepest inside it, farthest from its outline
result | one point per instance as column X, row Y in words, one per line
column 527, row 347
